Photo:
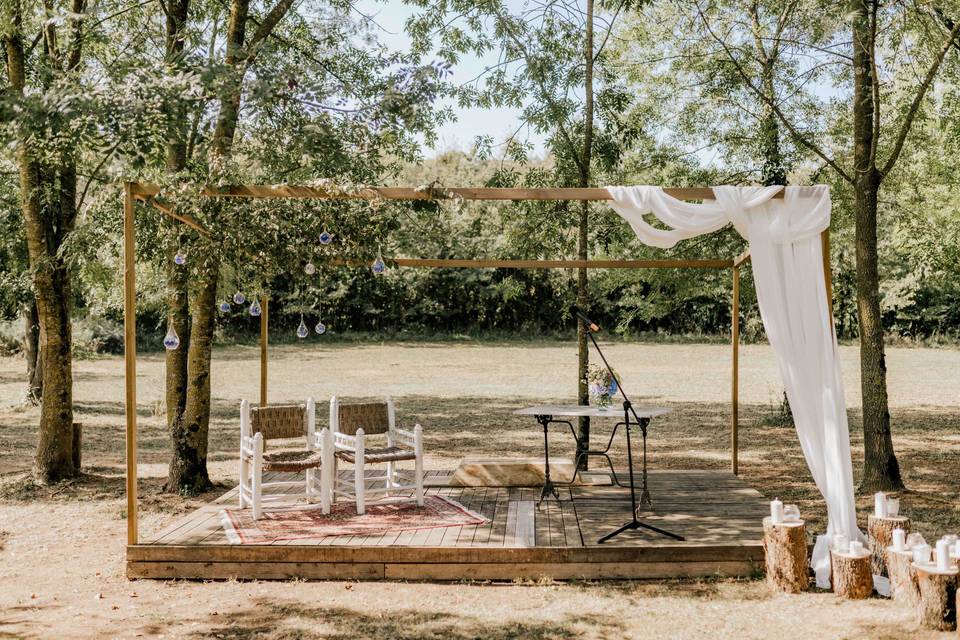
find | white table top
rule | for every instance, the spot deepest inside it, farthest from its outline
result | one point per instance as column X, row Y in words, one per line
column 577, row 411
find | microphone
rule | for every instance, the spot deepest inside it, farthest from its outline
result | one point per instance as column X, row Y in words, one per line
column 591, row 325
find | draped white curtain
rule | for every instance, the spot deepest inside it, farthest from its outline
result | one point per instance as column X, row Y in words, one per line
column 786, row 252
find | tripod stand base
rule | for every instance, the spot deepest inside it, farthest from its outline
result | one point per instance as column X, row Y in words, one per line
column 637, row 524
column 548, row 490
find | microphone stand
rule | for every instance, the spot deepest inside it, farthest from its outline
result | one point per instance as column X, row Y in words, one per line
column 634, row 523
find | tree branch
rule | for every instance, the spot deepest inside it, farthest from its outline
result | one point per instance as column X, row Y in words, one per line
column 918, row 99
column 769, row 100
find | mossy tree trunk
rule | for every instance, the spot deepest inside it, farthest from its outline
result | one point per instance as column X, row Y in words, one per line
column 48, row 201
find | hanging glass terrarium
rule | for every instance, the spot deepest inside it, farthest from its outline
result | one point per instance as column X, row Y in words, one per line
column 320, row 328
column 325, row 237
column 255, row 309
column 239, row 298
column 302, row 331
column 309, row 268
column 171, row 341
column 225, row 307
column 379, row 267
column 180, row 257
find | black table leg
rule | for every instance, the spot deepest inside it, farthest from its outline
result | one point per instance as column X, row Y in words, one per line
column 548, row 487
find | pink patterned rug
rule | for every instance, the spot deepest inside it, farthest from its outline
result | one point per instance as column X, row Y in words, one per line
column 385, row 516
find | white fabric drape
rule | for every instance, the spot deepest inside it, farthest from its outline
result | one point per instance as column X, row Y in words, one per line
column 786, row 252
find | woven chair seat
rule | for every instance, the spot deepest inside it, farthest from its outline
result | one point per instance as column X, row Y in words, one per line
column 381, row 454
column 291, row 460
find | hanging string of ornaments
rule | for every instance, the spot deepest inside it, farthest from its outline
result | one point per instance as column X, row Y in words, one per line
column 433, row 190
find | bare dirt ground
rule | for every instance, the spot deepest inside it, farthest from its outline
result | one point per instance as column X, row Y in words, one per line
column 61, row 548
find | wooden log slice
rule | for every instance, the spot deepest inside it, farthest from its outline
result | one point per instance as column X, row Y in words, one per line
column 938, row 598
column 903, row 578
column 851, row 575
column 879, row 537
column 785, row 550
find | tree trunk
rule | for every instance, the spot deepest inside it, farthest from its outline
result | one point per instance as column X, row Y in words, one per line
column 583, row 293
column 188, row 474
column 183, row 459
column 774, row 169
column 881, row 472
column 48, row 204
column 31, row 349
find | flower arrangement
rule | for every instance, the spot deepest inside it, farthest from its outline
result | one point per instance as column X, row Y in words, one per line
column 602, row 385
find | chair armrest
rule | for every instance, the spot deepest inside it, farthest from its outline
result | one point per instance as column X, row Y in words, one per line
column 343, row 442
column 408, row 438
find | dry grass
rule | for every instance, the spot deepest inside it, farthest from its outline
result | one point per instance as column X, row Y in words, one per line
column 62, row 546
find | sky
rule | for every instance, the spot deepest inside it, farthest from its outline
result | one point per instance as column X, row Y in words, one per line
column 460, row 134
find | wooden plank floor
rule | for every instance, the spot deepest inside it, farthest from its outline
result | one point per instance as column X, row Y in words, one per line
column 718, row 513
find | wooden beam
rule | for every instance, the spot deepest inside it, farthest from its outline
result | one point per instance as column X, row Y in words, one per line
column 540, row 264
column 827, row 272
column 742, row 258
column 264, row 339
column 130, row 358
column 168, row 210
column 735, row 377
column 408, row 193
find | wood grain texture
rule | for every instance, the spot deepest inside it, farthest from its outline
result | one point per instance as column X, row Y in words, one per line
column 518, row 541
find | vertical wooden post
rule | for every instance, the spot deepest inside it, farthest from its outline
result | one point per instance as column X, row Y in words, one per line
column 735, row 378
column 264, row 338
column 130, row 357
column 827, row 273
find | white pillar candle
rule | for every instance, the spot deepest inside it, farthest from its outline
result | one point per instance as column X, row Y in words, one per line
column 921, row 554
column 943, row 555
column 856, row 548
column 880, row 504
column 776, row 511
column 956, row 550
column 899, row 540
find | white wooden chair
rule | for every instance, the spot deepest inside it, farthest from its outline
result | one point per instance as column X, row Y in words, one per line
column 274, row 422
column 350, row 426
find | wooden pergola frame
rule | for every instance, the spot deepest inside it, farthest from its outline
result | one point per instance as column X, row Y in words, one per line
column 147, row 194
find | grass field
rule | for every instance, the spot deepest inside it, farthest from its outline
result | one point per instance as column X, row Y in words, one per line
column 61, row 548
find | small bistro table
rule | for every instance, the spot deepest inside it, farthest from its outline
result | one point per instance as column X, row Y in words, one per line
column 547, row 414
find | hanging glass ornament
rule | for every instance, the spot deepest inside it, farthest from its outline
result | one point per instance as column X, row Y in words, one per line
column 171, row 341
column 255, row 309
column 320, row 328
column 180, row 258
column 225, row 306
column 239, row 298
column 325, row 237
column 302, row 330
column 379, row 266
column 309, row 268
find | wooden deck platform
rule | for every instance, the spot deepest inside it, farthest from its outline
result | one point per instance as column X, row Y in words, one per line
column 718, row 513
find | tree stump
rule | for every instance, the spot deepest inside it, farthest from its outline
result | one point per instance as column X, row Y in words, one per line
column 785, row 549
column 880, row 536
column 851, row 575
column 938, row 597
column 903, row 578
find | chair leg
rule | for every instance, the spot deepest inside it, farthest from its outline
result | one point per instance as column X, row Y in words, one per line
column 359, row 485
column 309, row 488
column 244, row 480
column 390, row 481
column 418, row 462
column 257, row 476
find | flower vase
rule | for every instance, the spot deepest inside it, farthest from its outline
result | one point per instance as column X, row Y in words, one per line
column 602, row 401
